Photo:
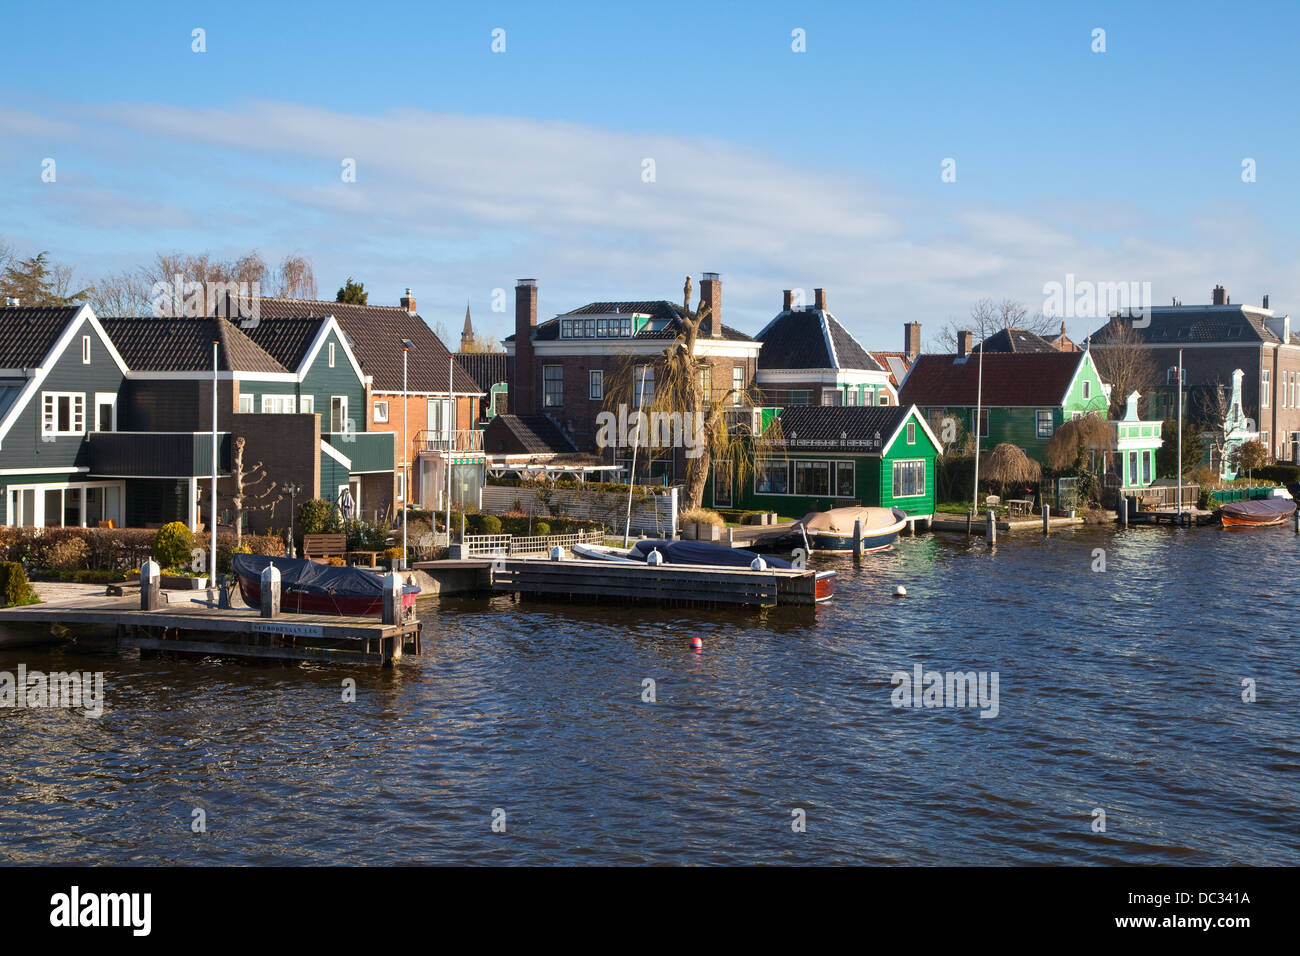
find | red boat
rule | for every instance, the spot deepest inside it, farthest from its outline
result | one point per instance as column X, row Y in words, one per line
column 310, row 588
column 1263, row 513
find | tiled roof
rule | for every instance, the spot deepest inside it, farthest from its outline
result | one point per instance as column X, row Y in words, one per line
column 1010, row 379
column 28, row 334
column 375, row 334
column 287, row 340
column 840, row 427
column 150, row 344
column 1229, row 324
column 537, row 434
column 487, row 368
column 895, row 363
column 1016, row 340
column 802, row 338
column 659, row 310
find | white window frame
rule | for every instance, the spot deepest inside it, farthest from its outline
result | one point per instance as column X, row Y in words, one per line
column 1038, row 423
column 331, row 354
column 85, row 350
column 737, row 384
column 401, row 484
column 1087, row 389
column 595, row 384
column 1265, row 386
column 343, row 413
column 269, row 399
column 50, row 413
column 381, row 417
column 835, row 396
column 246, row 404
column 911, row 433
column 893, row 477
column 307, row 404
column 102, row 399
column 853, row 481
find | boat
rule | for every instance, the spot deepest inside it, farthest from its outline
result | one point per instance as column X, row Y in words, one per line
column 1261, row 513
column 833, row 530
column 698, row 554
column 310, row 588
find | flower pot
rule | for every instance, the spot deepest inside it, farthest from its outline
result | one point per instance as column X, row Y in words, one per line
column 708, row 532
column 688, row 530
column 169, row 583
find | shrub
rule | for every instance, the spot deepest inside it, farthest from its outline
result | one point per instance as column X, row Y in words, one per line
column 336, row 562
column 542, row 529
column 702, row 516
column 271, row 545
column 173, row 544
column 1282, row 474
column 491, row 524
column 68, row 554
column 392, row 554
column 14, row 589
column 318, row 516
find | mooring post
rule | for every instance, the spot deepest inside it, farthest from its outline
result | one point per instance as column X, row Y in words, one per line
column 270, row 591
column 1047, row 516
column 150, row 586
column 857, row 539
column 392, row 598
column 1123, row 511
column 731, row 537
column 970, row 520
column 991, row 528
column 1295, row 520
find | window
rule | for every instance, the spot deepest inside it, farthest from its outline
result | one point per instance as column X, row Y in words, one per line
column 844, row 484
column 1087, row 389
column 883, row 398
column 85, row 350
column 63, row 413
column 1043, row 423
column 339, row 413
column 1146, row 467
column 643, row 389
column 984, row 422
column 331, row 355
column 401, row 484
column 812, row 477
column 1264, row 388
column 772, row 478
column 1132, row 467
column 851, row 396
column 278, row 404
column 911, row 433
column 596, row 384
column 245, row 404
column 832, row 396
column 105, row 412
column 909, row 479
column 307, row 404
column 552, row 386
column 438, row 415
column 381, row 411
column 706, row 383
column 737, row 383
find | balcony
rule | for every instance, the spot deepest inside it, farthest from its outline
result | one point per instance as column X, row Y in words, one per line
column 367, row 451
column 157, row 454
column 462, row 439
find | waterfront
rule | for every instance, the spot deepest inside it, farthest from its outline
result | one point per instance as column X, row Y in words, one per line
column 1118, row 689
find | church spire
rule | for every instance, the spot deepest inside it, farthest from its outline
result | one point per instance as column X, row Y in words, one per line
column 467, row 334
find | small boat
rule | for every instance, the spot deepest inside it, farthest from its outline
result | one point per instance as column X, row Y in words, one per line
column 1262, row 513
column 833, row 530
column 310, row 588
column 698, row 554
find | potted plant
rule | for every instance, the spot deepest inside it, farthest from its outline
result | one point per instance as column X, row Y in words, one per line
column 701, row 524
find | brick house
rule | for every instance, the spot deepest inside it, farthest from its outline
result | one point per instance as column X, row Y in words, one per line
column 1216, row 340
column 564, row 366
column 809, row 358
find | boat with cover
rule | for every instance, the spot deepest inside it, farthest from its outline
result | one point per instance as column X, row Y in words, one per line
column 310, row 588
column 833, row 530
column 1262, row 513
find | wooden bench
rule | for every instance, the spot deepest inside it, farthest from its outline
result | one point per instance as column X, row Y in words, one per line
column 324, row 546
column 374, row 557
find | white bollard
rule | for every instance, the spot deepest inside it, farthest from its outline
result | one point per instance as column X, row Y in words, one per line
column 557, row 553
column 150, row 586
column 758, row 564
column 991, row 528
column 270, row 591
column 392, row 598
column 654, row 558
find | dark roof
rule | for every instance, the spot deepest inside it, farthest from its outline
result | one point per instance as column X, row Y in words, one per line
column 1016, row 340
column 150, row 344
column 375, row 334
column 1229, row 324
column 287, row 340
column 537, row 434
column 811, row 338
column 28, row 334
column 487, row 368
column 862, row 428
column 659, row 310
column 1010, row 379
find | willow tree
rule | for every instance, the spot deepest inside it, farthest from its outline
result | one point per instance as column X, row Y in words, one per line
column 1007, row 466
column 716, row 424
column 1070, row 443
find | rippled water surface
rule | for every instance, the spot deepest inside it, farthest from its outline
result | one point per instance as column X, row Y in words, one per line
column 1119, row 690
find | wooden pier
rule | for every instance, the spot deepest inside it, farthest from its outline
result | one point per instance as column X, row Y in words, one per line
column 664, row 584
column 237, row 632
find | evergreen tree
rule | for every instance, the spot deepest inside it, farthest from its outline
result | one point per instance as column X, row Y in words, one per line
column 353, row 292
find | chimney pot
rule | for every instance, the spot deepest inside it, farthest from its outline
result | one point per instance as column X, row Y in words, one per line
column 912, row 339
column 408, row 302
column 965, row 343
column 711, row 296
column 819, row 299
column 1266, row 300
column 1220, row 296
column 787, row 300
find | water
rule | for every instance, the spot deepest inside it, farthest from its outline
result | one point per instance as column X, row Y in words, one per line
column 1118, row 690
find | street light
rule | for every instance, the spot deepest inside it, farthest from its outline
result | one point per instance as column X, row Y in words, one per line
column 293, row 488
column 407, row 346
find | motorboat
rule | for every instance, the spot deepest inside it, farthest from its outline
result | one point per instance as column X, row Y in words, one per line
column 310, row 588
column 833, row 530
column 1261, row 513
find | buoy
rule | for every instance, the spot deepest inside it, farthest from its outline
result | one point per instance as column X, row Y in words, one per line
column 697, row 644
column 900, row 591
column 758, row 564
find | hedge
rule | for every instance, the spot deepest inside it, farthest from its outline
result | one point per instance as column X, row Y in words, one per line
column 1282, row 474
column 114, row 549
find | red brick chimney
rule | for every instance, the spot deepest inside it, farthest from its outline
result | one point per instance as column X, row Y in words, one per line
column 1220, row 296
column 711, row 296
column 787, row 300
column 819, row 299
column 912, row 339
column 408, row 302
column 965, row 343
column 523, row 390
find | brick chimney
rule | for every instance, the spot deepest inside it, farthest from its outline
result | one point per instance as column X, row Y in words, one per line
column 911, row 339
column 1220, row 296
column 1266, row 300
column 787, row 300
column 408, row 302
column 965, row 343
column 711, row 296
column 523, row 390
column 819, row 299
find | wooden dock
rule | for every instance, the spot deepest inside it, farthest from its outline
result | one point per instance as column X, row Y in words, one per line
column 238, row 632
column 665, row 584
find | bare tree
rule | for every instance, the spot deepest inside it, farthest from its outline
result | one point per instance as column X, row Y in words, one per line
column 292, row 279
column 1124, row 363
column 988, row 317
column 248, row 495
column 124, row 293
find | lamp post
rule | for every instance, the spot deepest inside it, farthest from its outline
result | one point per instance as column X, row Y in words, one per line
column 407, row 346
column 213, row 566
column 293, row 488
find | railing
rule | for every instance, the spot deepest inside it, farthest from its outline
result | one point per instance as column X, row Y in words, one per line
column 509, row 545
column 1159, row 496
column 461, row 439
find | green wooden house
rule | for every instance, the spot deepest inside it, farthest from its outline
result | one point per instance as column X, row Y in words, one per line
column 1023, row 397
column 831, row 456
column 1132, row 458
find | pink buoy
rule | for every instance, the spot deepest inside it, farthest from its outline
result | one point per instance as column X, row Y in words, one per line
column 697, row 644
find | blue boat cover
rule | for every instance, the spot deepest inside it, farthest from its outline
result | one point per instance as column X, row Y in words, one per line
column 704, row 552
column 312, row 578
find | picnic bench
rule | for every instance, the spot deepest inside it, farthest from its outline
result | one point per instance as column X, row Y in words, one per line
column 324, row 546
column 1019, row 507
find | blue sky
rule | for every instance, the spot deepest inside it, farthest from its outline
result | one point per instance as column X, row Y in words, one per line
column 774, row 168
